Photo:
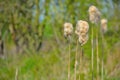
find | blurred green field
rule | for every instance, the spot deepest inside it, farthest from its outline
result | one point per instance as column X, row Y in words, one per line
column 33, row 46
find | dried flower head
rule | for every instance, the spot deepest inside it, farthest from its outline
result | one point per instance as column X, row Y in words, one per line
column 83, row 39
column 104, row 25
column 82, row 27
column 94, row 14
column 68, row 29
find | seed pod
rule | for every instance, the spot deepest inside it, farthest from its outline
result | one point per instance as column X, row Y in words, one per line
column 83, row 39
column 104, row 25
column 68, row 29
column 82, row 27
column 94, row 14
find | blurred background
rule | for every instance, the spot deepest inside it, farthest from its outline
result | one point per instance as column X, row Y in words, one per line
column 32, row 44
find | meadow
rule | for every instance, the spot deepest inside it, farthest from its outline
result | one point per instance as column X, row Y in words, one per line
column 59, row 40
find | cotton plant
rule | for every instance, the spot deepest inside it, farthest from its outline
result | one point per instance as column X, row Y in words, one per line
column 82, row 29
column 94, row 17
column 68, row 30
column 103, row 24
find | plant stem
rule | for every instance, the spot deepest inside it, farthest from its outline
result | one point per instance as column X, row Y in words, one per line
column 102, row 63
column 81, row 54
column 97, row 52
column 75, row 61
column 69, row 63
column 102, row 75
column 16, row 74
column 92, row 55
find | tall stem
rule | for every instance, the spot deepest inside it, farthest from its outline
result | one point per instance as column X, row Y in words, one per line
column 102, row 75
column 97, row 52
column 102, row 57
column 92, row 56
column 80, row 65
column 69, row 63
column 16, row 74
column 75, row 62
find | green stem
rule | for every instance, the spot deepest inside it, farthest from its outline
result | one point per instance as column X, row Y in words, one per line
column 69, row 64
column 75, row 62
column 80, row 65
column 97, row 52
column 102, row 57
column 92, row 55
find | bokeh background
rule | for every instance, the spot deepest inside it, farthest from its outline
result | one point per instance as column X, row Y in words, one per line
column 33, row 47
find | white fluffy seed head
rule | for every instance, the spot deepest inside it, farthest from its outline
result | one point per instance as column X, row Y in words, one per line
column 94, row 14
column 82, row 27
column 83, row 39
column 104, row 25
column 68, row 29
column 92, row 9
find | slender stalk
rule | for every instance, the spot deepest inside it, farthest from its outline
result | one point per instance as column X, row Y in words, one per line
column 16, row 74
column 102, row 57
column 80, row 65
column 92, row 55
column 79, row 76
column 69, row 63
column 75, row 62
column 97, row 53
column 102, row 75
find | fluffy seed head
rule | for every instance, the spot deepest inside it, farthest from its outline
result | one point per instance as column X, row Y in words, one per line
column 104, row 25
column 92, row 9
column 94, row 14
column 83, row 39
column 68, row 29
column 82, row 27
